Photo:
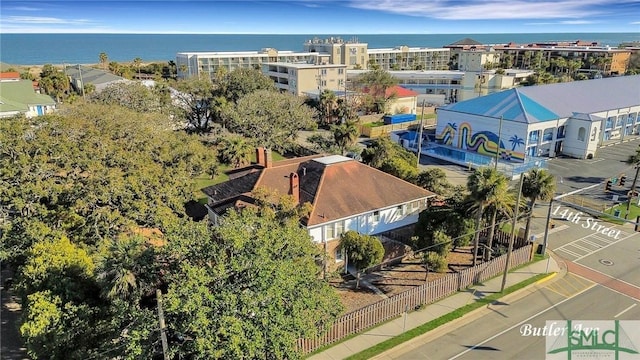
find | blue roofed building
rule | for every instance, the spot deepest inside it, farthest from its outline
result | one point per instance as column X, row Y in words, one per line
column 530, row 123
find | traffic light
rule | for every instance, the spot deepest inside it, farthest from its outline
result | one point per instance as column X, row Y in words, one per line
column 623, row 178
column 608, row 186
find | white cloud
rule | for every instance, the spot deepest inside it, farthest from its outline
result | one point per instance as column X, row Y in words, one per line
column 22, row 8
column 33, row 20
column 576, row 22
column 491, row 9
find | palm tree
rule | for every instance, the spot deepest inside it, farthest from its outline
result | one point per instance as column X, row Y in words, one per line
column 236, row 151
column 501, row 199
column 122, row 269
column 345, row 135
column 482, row 185
column 103, row 60
column 538, row 184
column 137, row 62
column 328, row 105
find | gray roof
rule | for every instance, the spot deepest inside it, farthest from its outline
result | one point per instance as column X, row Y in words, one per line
column 532, row 104
column 91, row 75
column 587, row 96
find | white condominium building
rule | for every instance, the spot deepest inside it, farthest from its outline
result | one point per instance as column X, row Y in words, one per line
column 201, row 64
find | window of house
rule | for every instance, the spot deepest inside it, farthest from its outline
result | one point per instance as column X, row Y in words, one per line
column 415, row 205
column 620, row 120
column 401, row 210
column 339, row 228
column 329, row 232
column 547, row 135
column 324, row 71
column 582, row 133
column 339, row 255
column 534, row 136
column 376, row 216
column 340, row 71
column 610, row 121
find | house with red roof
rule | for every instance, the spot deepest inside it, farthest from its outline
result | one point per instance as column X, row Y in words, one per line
column 344, row 195
column 403, row 100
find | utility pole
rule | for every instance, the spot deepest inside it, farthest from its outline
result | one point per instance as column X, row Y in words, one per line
column 498, row 144
column 81, row 82
column 163, row 326
column 633, row 189
column 513, row 234
column 420, row 133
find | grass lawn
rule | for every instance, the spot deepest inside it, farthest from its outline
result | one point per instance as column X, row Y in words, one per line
column 634, row 210
column 374, row 124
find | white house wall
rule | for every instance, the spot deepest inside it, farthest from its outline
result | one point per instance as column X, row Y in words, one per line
column 389, row 219
column 577, row 142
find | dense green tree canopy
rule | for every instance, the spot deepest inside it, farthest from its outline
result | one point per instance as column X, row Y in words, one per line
column 250, row 292
column 391, row 158
column 271, row 118
column 91, row 170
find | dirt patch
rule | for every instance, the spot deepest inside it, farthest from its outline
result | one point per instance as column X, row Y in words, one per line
column 392, row 280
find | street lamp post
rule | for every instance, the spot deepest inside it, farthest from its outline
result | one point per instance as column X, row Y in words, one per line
column 420, row 133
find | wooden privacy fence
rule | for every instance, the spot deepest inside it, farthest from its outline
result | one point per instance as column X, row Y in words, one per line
column 502, row 238
column 428, row 293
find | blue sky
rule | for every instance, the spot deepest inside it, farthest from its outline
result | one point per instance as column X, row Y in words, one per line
column 320, row 16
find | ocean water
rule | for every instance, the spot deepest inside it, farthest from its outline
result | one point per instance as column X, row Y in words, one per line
column 38, row 49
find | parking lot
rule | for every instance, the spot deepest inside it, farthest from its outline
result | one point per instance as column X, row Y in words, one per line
column 610, row 161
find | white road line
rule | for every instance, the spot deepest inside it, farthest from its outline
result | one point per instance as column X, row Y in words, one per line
column 625, row 310
column 591, row 243
column 518, row 324
column 568, row 252
column 575, row 245
column 600, row 239
column 595, row 251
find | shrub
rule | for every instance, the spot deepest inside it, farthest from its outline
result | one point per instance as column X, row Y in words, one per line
column 362, row 251
column 435, row 262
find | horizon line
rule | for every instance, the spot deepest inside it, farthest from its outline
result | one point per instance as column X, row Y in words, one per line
column 310, row 34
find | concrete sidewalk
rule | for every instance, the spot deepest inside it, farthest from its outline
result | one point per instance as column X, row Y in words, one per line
column 430, row 312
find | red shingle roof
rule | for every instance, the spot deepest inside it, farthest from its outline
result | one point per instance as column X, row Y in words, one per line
column 400, row 92
column 9, row 75
column 337, row 187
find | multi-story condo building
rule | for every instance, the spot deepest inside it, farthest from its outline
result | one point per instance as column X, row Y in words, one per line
column 409, row 58
column 351, row 52
column 201, row 64
column 301, row 78
column 450, row 86
column 604, row 59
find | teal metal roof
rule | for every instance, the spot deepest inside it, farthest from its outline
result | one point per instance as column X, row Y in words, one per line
column 509, row 104
column 531, row 104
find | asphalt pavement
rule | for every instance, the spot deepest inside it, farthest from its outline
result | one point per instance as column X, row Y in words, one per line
column 500, row 333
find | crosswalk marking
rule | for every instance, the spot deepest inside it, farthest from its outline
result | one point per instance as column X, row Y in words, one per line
column 589, row 244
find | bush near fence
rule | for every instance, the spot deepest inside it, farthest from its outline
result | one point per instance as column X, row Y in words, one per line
column 428, row 293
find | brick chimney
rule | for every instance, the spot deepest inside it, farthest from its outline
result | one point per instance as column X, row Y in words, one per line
column 260, row 156
column 294, row 187
column 268, row 158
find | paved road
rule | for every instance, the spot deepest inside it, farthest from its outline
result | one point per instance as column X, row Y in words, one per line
column 497, row 334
